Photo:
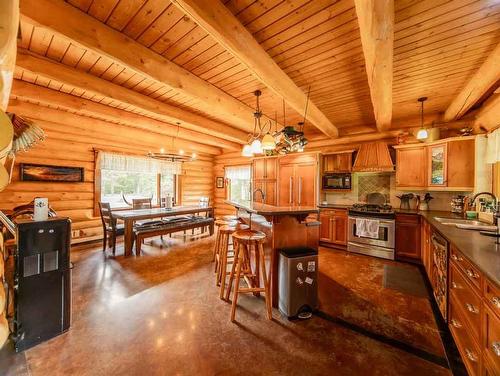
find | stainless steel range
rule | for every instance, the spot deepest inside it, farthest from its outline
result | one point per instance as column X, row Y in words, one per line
column 379, row 244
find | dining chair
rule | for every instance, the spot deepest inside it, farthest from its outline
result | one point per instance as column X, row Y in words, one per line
column 203, row 202
column 142, row 203
column 109, row 226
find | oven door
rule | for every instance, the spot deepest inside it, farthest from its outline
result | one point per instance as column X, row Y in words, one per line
column 386, row 235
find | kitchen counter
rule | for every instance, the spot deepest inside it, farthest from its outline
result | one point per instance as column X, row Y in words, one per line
column 334, row 206
column 271, row 210
column 479, row 249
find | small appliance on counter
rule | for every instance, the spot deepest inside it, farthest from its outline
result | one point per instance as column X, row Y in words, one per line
column 339, row 181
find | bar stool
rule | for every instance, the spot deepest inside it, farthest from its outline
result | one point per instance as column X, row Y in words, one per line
column 218, row 224
column 230, row 217
column 225, row 253
column 242, row 268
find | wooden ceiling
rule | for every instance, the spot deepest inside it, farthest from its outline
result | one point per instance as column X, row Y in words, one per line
column 438, row 45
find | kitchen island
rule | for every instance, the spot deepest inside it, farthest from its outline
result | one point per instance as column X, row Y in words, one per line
column 284, row 226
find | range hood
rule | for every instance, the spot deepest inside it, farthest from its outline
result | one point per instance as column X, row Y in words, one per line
column 373, row 157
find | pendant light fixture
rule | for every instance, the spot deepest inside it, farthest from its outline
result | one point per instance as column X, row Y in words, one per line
column 422, row 133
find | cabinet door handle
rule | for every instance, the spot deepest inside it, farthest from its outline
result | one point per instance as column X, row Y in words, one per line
column 496, row 301
column 300, row 190
column 495, row 346
column 471, row 308
column 455, row 323
column 291, row 190
column 471, row 355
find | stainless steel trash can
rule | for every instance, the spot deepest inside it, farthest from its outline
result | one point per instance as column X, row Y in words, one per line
column 298, row 280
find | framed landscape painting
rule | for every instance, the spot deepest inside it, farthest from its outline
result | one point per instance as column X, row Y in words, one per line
column 35, row 172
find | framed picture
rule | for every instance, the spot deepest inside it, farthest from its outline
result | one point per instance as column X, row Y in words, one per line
column 35, row 172
column 219, row 182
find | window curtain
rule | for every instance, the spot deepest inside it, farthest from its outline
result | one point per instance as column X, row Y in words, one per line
column 120, row 162
column 238, row 172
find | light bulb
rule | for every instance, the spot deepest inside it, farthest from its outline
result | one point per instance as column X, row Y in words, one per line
column 268, row 142
column 193, row 156
column 162, row 150
column 422, row 134
column 256, row 146
column 181, row 151
column 247, row 151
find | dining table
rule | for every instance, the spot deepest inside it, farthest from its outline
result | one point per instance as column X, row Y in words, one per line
column 130, row 216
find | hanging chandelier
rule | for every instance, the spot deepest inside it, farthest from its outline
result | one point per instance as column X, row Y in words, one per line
column 265, row 142
column 179, row 156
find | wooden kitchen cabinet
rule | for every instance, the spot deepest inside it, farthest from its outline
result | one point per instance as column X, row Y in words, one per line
column 333, row 228
column 297, row 182
column 264, row 178
column 338, row 162
column 446, row 164
column 264, row 168
column 426, row 247
column 410, row 167
column 408, row 237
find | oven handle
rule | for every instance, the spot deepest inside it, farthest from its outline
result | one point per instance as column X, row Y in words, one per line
column 371, row 246
column 390, row 222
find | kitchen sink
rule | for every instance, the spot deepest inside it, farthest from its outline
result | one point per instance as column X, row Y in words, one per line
column 466, row 223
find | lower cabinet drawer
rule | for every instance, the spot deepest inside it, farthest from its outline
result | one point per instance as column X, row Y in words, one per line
column 466, row 299
column 467, row 346
column 491, row 339
column 492, row 296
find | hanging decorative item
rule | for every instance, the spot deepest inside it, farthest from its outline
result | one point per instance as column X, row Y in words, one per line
column 26, row 133
column 179, row 156
column 264, row 141
column 422, row 133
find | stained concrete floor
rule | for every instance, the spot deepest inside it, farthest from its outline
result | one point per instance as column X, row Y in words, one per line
column 160, row 314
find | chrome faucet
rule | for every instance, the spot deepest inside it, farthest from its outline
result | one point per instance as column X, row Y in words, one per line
column 261, row 192
column 495, row 201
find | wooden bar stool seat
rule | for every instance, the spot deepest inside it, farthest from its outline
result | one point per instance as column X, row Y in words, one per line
column 242, row 268
column 230, row 217
column 218, row 224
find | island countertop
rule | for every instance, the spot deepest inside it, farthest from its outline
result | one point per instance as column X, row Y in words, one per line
column 271, row 210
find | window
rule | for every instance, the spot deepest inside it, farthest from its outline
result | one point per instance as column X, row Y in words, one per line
column 238, row 180
column 135, row 177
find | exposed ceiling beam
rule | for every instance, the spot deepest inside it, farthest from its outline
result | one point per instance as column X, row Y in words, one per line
column 104, row 130
column 479, row 84
column 85, row 107
column 226, row 29
column 89, row 33
column 90, row 83
column 488, row 115
column 376, row 26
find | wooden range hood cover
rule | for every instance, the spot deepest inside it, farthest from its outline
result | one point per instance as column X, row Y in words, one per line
column 373, row 157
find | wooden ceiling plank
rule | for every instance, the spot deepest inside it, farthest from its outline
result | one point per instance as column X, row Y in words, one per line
column 93, row 35
column 485, row 77
column 219, row 22
column 124, row 12
column 102, row 9
column 145, row 17
column 376, row 24
column 88, row 108
column 76, row 78
column 26, row 34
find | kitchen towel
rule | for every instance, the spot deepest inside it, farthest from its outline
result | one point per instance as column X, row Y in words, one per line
column 367, row 228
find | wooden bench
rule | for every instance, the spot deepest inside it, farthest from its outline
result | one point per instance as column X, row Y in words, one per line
column 170, row 226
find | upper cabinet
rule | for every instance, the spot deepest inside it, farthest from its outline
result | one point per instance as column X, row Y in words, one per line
column 264, row 168
column 442, row 165
column 264, row 177
column 414, row 172
column 338, row 162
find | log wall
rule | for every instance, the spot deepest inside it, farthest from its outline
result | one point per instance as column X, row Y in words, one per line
column 73, row 145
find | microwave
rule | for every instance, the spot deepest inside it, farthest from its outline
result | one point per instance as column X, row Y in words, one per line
column 337, row 181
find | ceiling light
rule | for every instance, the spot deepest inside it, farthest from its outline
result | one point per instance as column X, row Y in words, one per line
column 422, row 133
column 181, row 151
column 256, row 146
column 268, row 142
column 193, row 156
column 247, row 151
